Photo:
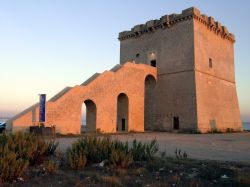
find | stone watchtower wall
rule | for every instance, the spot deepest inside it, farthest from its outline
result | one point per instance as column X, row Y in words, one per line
column 195, row 87
column 217, row 103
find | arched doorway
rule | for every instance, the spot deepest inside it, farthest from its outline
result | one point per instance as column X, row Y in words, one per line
column 88, row 116
column 122, row 113
column 150, row 83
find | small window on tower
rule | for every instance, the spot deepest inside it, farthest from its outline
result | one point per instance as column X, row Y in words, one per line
column 137, row 55
column 153, row 63
column 210, row 63
column 176, row 124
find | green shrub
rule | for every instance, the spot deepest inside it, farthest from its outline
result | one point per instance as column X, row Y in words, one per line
column 96, row 149
column 120, row 159
column 12, row 167
column 27, row 146
column 76, row 157
column 243, row 179
column 180, row 154
column 50, row 166
column 92, row 149
column 51, row 147
column 21, row 150
column 142, row 152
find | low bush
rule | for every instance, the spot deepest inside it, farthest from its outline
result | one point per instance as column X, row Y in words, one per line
column 18, row 151
column 50, row 166
column 142, row 152
column 120, row 159
column 243, row 179
column 92, row 149
column 76, row 157
column 12, row 167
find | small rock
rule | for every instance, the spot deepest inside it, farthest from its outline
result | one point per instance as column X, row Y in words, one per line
column 170, row 171
column 141, row 175
column 204, row 165
column 161, row 169
column 20, row 179
column 102, row 163
column 224, row 177
column 157, row 175
column 192, row 175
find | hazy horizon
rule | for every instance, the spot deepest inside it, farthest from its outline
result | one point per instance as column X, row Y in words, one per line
column 48, row 45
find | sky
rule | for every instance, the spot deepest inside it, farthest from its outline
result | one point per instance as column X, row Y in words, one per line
column 46, row 45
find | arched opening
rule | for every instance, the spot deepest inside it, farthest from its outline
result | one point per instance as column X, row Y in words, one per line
column 88, row 120
column 83, row 118
column 122, row 113
column 149, row 101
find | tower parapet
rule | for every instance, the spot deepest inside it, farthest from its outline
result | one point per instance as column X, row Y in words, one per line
column 168, row 21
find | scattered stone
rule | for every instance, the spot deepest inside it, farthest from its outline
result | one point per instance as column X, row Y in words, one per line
column 20, row 179
column 157, row 175
column 170, row 171
column 194, row 169
column 224, row 177
column 101, row 164
column 161, row 169
column 193, row 174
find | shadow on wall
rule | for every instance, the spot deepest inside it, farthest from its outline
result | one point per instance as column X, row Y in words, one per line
column 122, row 113
column 89, row 115
column 149, row 102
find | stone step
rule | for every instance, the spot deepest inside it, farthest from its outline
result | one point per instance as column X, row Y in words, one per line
column 60, row 94
column 89, row 80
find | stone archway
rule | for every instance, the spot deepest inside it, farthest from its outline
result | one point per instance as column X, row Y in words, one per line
column 122, row 113
column 90, row 115
column 149, row 101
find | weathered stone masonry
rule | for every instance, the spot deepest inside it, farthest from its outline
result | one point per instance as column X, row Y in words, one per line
column 194, row 56
column 191, row 86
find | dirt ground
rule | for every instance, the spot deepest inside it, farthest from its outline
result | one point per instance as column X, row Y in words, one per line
column 223, row 147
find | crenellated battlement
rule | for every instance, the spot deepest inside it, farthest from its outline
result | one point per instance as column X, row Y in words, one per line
column 168, row 21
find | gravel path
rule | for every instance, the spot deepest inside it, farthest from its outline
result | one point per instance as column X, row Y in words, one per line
column 224, row 147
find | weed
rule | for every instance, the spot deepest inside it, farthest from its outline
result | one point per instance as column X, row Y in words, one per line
column 50, row 166
column 243, row 178
column 12, row 167
column 18, row 151
column 180, row 154
column 76, row 158
column 142, row 152
column 120, row 159
column 111, row 181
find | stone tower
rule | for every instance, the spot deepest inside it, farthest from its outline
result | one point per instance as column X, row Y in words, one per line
column 194, row 56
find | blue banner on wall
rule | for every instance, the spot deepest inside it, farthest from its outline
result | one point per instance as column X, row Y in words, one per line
column 42, row 108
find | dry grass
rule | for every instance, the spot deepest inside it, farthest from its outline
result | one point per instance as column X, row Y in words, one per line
column 111, row 181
